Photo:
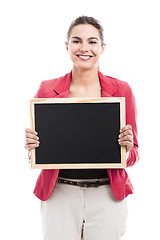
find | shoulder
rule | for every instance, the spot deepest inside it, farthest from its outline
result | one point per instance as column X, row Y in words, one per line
column 120, row 84
column 124, row 90
column 47, row 87
column 51, row 83
column 119, row 87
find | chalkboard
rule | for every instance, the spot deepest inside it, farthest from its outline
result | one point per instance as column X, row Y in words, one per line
column 78, row 133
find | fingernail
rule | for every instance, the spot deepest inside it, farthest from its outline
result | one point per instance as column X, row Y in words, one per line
column 36, row 133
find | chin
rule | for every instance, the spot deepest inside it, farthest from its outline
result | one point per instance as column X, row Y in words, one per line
column 86, row 67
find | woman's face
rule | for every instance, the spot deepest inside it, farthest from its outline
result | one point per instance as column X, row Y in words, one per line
column 84, row 46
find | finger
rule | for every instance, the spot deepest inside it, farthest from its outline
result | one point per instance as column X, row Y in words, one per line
column 126, row 138
column 126, row 127
column 31, row 135
column 29, row 130
column 31, row 141
column 126, row 132
column 31, row 146
column 127, row 144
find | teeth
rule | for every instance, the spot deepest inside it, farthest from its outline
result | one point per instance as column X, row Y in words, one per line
column 84, row 57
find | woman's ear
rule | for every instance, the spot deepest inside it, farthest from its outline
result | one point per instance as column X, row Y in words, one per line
column 66, row 44
column 103, row 47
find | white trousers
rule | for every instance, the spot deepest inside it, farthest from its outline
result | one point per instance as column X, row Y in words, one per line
column 75, row 213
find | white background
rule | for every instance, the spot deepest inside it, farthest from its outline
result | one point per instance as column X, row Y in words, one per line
column 32, row 49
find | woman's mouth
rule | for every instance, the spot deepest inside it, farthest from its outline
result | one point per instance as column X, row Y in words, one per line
column 84, row 57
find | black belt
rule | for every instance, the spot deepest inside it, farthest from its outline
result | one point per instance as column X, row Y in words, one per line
column 84, row 184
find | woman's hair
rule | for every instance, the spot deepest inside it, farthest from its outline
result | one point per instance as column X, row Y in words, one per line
column 87, row 20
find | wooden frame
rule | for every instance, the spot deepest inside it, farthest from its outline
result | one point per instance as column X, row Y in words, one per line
column 44, row 101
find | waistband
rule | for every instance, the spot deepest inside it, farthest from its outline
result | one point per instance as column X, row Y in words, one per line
column 85, row 183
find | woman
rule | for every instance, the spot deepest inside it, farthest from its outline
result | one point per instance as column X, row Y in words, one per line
column 90, row 212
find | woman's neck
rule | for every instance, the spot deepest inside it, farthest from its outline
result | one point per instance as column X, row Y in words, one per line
column 85, row 78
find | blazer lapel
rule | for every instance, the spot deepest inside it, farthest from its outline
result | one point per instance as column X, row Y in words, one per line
column 63, row 86
column 108, row 86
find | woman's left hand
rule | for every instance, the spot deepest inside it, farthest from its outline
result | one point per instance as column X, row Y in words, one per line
column 126, row 137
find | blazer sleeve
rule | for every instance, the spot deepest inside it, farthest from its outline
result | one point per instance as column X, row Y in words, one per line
column 131, row 117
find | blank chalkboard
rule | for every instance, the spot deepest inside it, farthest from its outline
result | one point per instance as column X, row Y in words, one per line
column 78, row 133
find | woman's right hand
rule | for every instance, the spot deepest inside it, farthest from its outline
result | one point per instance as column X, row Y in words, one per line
column 31, row 139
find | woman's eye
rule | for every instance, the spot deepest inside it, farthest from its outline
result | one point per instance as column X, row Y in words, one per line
column 92, row 42
column 75, row 41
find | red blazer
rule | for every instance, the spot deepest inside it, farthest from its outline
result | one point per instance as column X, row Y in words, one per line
column 111, row 87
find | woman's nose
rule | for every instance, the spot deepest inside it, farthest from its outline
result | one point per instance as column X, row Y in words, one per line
column 84, row 47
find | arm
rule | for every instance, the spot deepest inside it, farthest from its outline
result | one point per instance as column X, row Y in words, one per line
column 31, row 138
column 128, row 134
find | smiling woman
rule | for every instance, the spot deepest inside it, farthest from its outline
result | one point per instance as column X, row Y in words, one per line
column 84, row 44
column 87, row 203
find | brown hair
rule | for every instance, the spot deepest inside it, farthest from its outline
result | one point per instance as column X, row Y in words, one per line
column 87, row 20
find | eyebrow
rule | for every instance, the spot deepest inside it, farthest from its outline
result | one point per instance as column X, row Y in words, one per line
column 88, row 38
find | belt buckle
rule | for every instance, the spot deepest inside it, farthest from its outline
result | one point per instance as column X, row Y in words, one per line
column 83, row 184
column 87, row 185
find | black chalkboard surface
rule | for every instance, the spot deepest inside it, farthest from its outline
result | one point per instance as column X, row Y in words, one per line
column 78, row 133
